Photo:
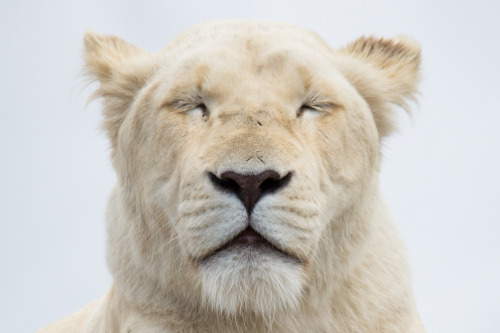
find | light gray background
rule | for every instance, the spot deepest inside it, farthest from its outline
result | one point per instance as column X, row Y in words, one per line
column 440, row 175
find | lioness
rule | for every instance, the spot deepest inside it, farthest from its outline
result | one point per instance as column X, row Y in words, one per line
column 248, row 156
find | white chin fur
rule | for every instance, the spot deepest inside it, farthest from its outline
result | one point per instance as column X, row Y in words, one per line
column 246, row 280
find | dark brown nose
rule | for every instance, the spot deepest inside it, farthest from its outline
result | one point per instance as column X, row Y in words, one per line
column 250, row 188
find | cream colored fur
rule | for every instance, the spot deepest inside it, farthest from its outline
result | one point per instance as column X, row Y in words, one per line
column 247, row 96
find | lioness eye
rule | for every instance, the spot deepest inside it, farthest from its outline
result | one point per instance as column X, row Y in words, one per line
column 199, row 111
column 308, row 111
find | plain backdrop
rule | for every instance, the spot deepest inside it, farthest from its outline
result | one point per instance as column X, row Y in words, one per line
column 440, row 173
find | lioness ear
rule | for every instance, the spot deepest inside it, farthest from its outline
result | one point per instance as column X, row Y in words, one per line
column 385, row 72
column 121, row 69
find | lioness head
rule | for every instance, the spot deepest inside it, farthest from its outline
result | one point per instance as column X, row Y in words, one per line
column 247, row 157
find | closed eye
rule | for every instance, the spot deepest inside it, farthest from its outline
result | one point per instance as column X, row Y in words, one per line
column 316, row 106
column 309, row 111
column 200, row 111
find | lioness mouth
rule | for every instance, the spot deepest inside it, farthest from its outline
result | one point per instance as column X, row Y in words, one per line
column 249, row 238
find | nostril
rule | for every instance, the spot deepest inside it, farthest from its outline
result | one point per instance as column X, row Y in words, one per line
column 250, row 188
column 273, row 184
column 224, row 184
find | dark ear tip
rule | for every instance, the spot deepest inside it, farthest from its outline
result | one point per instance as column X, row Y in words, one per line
column 399, row 48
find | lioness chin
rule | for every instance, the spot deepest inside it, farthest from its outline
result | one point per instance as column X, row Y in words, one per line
column 247, row 200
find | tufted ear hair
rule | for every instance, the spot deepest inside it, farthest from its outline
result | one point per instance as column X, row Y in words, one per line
column 121, row 69
column 385, row 72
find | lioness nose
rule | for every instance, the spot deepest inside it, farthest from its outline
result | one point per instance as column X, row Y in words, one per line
column 250, row 188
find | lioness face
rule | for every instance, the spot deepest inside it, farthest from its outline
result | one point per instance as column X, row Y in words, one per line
column 243, row 148
column 257, row 147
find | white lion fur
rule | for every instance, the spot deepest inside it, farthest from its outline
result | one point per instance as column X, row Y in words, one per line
column 346, row 270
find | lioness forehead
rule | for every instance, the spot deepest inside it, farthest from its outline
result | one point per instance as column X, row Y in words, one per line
column 248, row 63
column 249, row 34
